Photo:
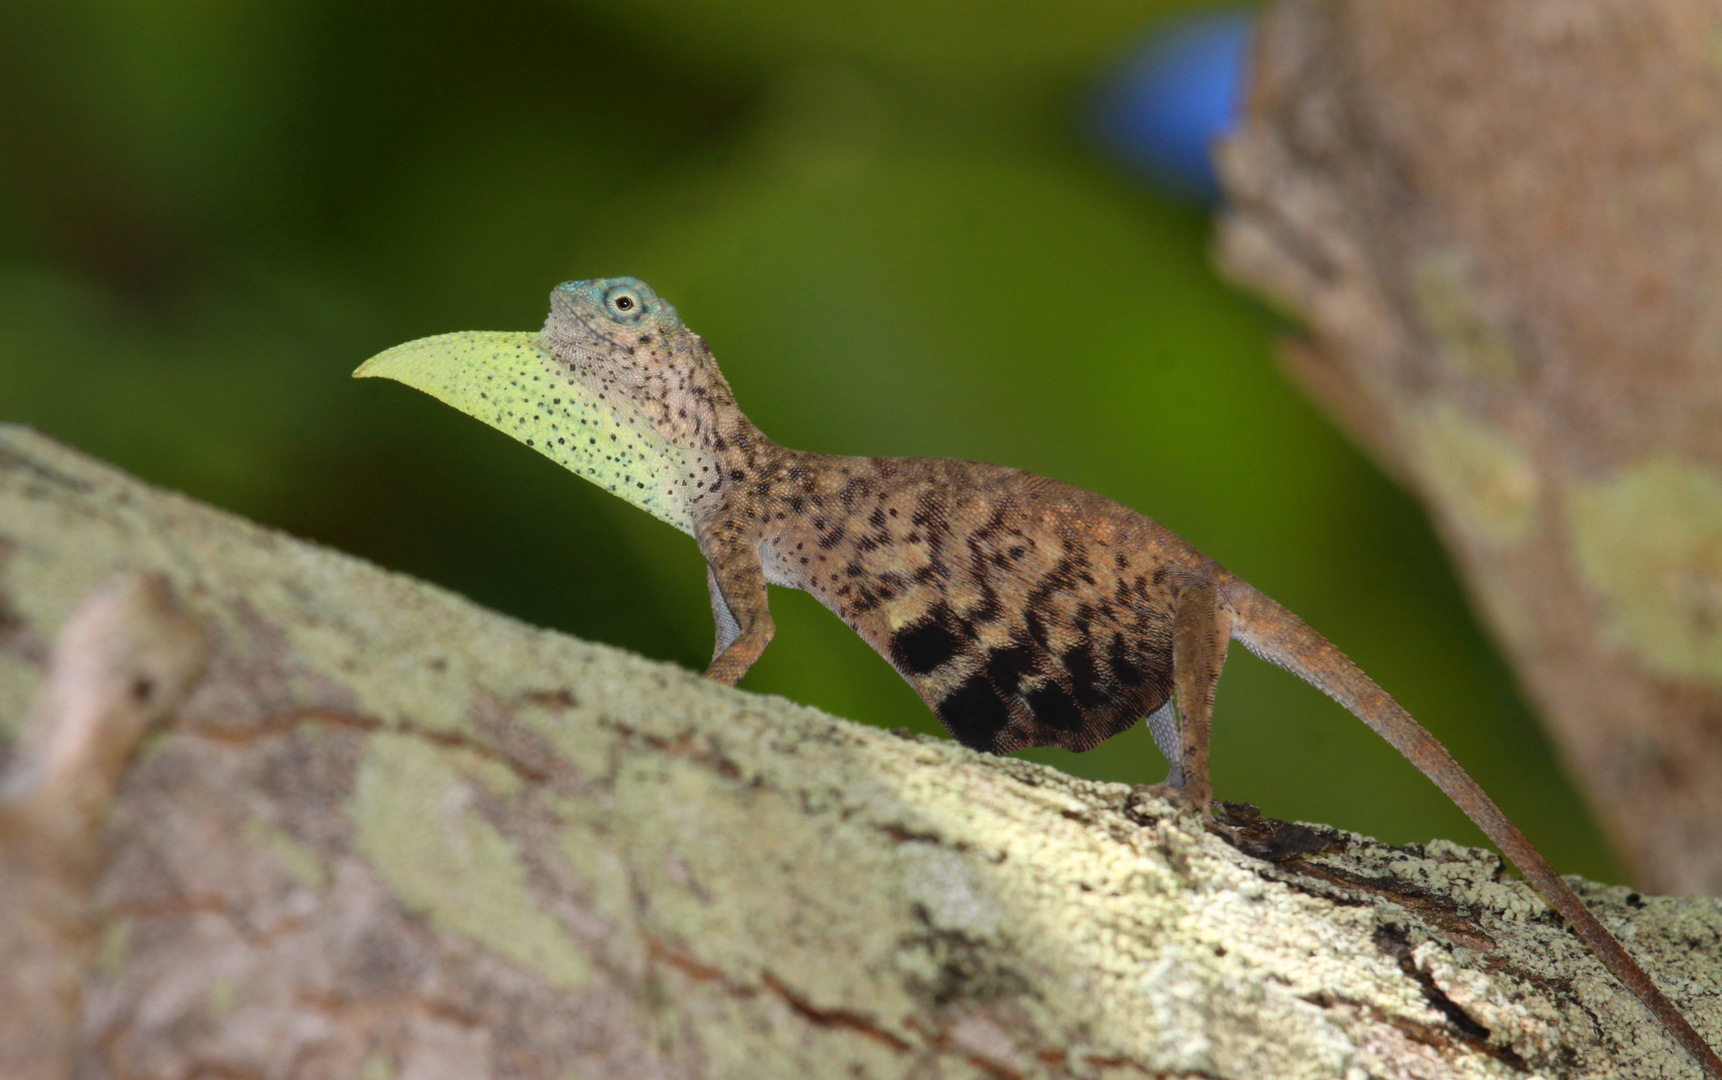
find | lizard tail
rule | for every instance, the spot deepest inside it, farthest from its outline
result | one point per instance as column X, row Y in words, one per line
column 1280, row 637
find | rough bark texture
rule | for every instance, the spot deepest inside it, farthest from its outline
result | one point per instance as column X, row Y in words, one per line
column 391, row 834
column 1502, row 223
column 124, row 663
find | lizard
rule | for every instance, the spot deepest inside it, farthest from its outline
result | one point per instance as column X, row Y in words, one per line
column 1023, row 610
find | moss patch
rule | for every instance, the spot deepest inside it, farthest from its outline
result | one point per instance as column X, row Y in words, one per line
column 1649, row 541
column 1447, row 302
column 377, row 1067
column 302, row 862
column 418, row 826
column 115, row 946
column 1477, row 473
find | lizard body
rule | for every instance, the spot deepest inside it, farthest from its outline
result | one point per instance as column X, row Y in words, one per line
column 1023, row 610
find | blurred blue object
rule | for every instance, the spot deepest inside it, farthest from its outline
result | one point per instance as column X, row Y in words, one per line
column 1181, row 90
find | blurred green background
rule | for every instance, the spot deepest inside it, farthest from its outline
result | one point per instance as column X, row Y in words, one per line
column 883, row 216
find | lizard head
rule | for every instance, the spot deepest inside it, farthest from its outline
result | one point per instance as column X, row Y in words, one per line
column 619, row 337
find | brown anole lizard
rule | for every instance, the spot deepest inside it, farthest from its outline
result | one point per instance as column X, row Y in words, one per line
column 1024, row 611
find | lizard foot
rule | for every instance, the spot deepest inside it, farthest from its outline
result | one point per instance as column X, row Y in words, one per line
column 1183, row 800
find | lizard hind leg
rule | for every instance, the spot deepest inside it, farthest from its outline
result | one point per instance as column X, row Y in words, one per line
column 1163, row 725
column 1200, row 631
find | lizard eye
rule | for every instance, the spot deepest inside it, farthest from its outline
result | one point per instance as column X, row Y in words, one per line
column 624, row 304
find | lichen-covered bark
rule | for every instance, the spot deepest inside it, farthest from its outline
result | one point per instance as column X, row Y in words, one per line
column 391, row 834
column 122, row 665
column 1502, row 225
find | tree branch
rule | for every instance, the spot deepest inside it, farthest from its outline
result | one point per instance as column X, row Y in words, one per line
column 392, row 834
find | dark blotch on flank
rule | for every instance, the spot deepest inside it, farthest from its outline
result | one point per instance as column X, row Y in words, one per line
column 1061, row 578
column 974, row 714
column 988, row 610
column 1085, row 677
column 865, row 602
column 1055, row 708
column 1006, row 667
column 933, row 571
column 1036, row 626
column 1124, row 667
column 926, row 645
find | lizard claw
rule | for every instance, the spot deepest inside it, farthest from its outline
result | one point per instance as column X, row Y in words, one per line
column 1183, row 800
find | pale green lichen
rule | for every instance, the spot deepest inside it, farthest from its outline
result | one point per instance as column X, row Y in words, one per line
column 223, row 994
column 586, row 750
column 1529, row 1023
column 493, row 775
column 114, row 946
column 695, row 835
column 302, row 862
column 1477, row 473
column 948, row 888
column 593, row 860
column 378, row 1066
column 18, row 684
column 420, row 830
column 1447, row 301
column 1648, row 540
column 942, row 879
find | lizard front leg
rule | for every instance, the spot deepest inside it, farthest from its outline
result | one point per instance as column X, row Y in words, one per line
column 741, row 610
column 722, row 618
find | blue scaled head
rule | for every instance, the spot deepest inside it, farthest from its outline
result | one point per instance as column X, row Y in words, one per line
column 625, row 301
column 618, row 337
column 612, row 330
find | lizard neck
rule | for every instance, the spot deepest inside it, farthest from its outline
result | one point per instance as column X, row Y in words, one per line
column 736, row 440
column 734, row 498
column 714, row 424
column 690, row 403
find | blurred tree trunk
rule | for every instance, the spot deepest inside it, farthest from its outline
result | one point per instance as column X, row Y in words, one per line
column 1502, row 225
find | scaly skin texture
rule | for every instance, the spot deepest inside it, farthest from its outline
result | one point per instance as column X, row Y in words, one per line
column 1025, row 612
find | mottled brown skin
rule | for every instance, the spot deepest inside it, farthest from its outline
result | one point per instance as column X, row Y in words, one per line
column 1025, row 612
